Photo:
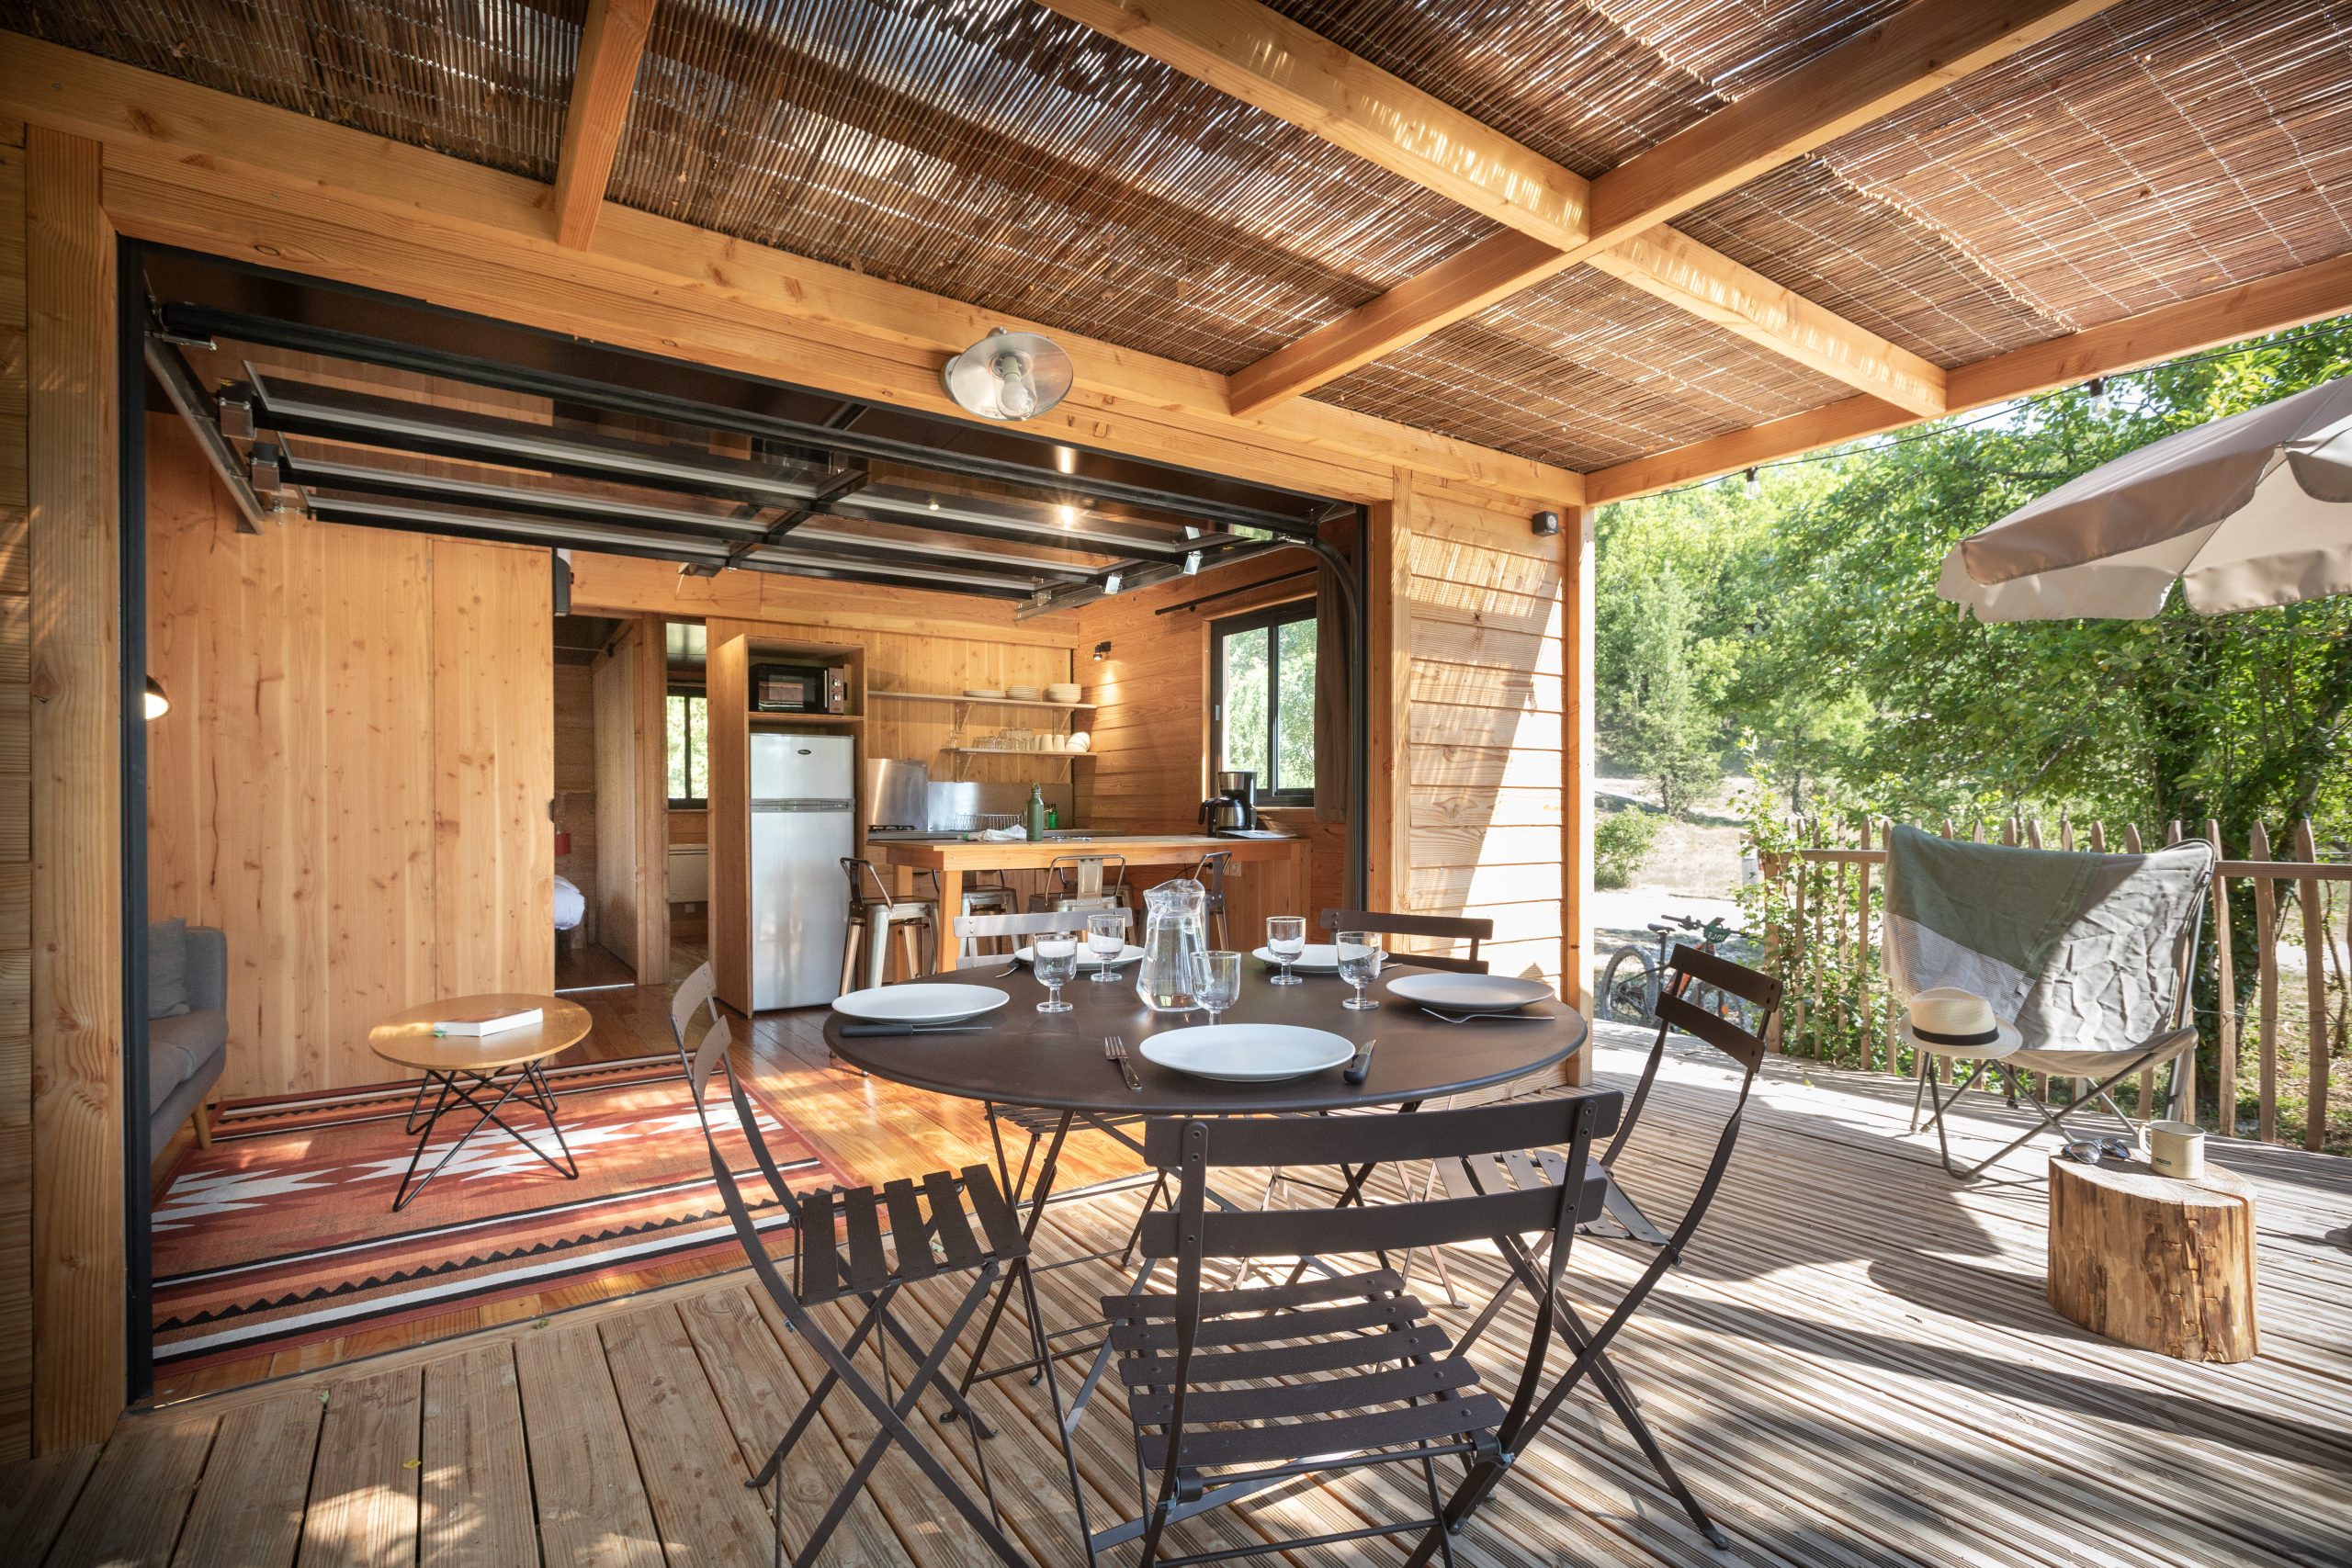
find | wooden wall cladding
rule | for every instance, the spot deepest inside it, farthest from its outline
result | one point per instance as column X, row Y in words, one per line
column 353, row 778
column 1485, row 725
column 15, row 843
column 576, row 760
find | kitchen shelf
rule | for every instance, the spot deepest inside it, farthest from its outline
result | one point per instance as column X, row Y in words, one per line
column 1008, row 751
column 977, row 702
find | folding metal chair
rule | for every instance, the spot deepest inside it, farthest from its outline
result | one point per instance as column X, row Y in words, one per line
column 1366, row 1377
column 1546, row 1169
column 931, row 1236
column 2102, row 1065
column 1450, row 927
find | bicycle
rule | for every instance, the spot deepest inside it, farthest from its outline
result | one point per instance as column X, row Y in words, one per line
column 1629, row 986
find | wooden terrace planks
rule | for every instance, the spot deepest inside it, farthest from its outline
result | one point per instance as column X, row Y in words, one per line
column 1854, row 1367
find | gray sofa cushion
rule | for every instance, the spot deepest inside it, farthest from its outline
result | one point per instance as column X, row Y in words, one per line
column 180, row 1048
column 167, row 968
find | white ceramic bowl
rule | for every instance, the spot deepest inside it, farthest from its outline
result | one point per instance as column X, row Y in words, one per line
column 919, row 1002
column 1248, row 1053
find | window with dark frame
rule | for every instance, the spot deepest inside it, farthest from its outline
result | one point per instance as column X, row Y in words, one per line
column 1263, row 699
column 688, row 731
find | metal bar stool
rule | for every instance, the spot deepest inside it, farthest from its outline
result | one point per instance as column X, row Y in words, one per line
column 1084, row 882
column 875, row 914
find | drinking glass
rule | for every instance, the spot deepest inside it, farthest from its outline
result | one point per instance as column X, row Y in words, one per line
column 1106, row 938
column 1216, row 981
column 1359, row 957
column 1286, row 939
column 1056, row 960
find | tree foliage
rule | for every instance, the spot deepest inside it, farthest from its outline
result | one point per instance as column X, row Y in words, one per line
column 1815, row 636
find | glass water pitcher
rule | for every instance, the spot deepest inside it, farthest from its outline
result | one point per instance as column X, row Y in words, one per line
column 1175, row 929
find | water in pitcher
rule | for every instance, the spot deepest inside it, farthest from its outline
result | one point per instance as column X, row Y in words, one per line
column 1175, row 927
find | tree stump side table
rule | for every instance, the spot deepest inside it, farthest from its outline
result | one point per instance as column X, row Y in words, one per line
column 2154, row 1262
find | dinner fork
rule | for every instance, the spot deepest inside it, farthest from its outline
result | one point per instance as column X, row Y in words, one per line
column 1473, row 1017
column 1114, row 1049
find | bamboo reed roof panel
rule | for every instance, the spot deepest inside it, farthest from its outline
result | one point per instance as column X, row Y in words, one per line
column 1003, row 155
column 2159, row 152
column 1588, row 83
column 1872, row 262
column 1582, row 371
column 487, row 81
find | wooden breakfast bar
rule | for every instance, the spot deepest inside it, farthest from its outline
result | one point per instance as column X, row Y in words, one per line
column 1267, row 878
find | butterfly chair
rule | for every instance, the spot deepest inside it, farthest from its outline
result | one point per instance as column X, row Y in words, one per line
column 931, row 1231
column 1365, row 1377
column 1541, row 1169
column 2108, row 999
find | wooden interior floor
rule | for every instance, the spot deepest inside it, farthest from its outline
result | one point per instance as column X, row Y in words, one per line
column 1854, row 1365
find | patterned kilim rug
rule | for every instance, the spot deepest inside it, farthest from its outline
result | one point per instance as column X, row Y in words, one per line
column 283, row 1231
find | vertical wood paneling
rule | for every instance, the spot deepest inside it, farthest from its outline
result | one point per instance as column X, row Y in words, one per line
column 616, row 783
column 78, row 1351
column 298, row 797
column 16, row 837
column 493, row 748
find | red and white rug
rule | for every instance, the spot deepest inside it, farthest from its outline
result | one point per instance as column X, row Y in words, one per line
column 282, row 1232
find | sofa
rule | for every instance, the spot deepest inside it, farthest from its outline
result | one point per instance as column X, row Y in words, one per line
column 187, row 1027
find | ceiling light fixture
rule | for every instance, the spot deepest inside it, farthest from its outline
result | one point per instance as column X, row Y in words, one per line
column 1008, row 376
column 1112, row 581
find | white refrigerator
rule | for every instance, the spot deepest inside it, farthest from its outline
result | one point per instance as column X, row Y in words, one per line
column 803, row 816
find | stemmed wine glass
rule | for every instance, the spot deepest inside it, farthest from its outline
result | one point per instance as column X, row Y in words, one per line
column 1106, row 938
column 1286, row 939
column 1359, row 957
column 1216, row 981
column 1055, row 961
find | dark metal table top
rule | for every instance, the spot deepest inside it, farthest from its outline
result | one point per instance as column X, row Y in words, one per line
column 1054, row 1061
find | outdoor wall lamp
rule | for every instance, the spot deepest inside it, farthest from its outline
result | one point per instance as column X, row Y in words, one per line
column 157, row 704
column 1545, row 524
column 1101, row 651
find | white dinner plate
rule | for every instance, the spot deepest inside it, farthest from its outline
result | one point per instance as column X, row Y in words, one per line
column 1317, row 958
column 1483, row 991
column 1086, row 959
column 922, row 1003
column 1248, row 1053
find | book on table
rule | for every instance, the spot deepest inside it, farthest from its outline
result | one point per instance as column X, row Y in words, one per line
column 474, row 1025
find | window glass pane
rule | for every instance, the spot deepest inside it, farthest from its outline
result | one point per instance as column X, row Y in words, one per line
column 1246, row 697
column 677, row 747
column 689, row 746
column 1295, row 725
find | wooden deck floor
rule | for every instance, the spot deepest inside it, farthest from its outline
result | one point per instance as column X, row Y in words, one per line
column 1855, row 1366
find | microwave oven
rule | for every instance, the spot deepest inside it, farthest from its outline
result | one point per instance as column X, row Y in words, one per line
column 799, row 688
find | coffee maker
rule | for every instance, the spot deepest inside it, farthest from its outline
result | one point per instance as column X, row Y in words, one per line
column 1234, row 808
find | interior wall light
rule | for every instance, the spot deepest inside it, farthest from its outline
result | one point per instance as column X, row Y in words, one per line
column 157, row 704
column 1008, row 376
column 1101, row 651
column 1112, row 581
column 1192, row 563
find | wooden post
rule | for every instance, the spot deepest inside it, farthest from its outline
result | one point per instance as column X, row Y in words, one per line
column 2314, row 989
column 1577, row 772
column 2266, row 983
column 79, row 1360
column 1863, row 968
column 2033, row 832
column 2226, row 1015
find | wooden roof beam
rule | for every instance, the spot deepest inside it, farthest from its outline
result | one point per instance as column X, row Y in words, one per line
column 2271, row 304
column 611, row 40
column 1265, row 60
column 1926, row 46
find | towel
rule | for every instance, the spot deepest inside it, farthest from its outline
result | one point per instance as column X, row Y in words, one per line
column 2079, row 951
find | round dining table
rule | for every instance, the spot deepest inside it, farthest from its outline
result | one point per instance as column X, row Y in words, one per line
column 1056, row 1062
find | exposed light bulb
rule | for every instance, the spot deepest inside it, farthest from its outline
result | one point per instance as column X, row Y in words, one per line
column 2097, row 388
column 1755, row 484
column 155, row 703
column 1016, row 394
column 1067, row 516
column 1065, row 459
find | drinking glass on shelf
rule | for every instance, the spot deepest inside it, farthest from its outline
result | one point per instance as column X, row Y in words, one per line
column 1106, row 938
column 1286, row 939
column 1055, row 960
column 1359, row 957
column 1216, row 981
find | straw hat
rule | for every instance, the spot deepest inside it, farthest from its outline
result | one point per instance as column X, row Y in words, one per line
column 1953, row 1023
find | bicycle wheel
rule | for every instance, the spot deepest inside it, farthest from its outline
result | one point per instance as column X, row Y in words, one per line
column 1629, row 987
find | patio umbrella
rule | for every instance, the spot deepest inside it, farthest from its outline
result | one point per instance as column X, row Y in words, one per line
column 2247, row 512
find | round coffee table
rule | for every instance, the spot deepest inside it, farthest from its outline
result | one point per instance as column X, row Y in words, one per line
column 463, row 1070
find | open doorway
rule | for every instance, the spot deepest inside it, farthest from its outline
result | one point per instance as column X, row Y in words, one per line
column 610, row 805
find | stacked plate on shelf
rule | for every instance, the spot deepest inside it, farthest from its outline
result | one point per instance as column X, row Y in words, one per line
column 1021, row 693
column 982, row 692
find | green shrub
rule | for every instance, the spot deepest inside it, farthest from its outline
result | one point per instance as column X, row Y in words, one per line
column 1621, row 838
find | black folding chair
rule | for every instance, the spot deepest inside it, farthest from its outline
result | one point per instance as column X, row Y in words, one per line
column 1451, row 928
column 931, row 1234
column 1541, row 1168
column 1366, row 1378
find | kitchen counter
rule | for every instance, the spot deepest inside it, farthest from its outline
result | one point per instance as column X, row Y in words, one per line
column 1278, row 861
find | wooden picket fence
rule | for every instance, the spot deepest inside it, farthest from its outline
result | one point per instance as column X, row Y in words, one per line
column 1822, row 932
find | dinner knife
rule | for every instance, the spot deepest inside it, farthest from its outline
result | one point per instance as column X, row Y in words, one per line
column 1360, row 1069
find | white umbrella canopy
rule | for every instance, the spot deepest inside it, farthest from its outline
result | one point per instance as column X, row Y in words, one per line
column 2246, row 513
